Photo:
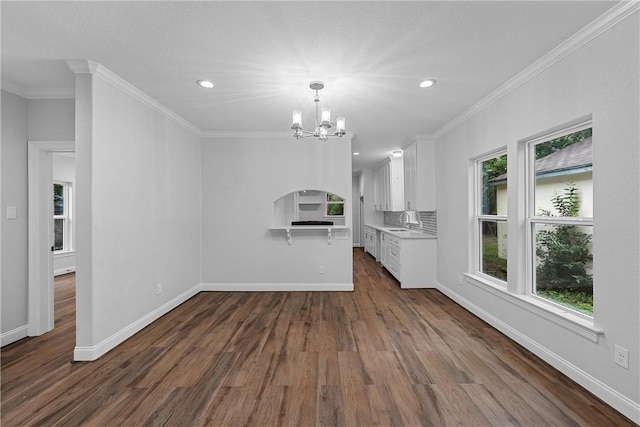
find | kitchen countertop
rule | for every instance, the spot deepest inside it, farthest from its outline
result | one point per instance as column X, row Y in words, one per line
column 401, row 233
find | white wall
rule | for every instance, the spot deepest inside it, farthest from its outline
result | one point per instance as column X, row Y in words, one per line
column 601, row 79
column 64, row 170
column 64, row 167
column 138, row 204
column 241, row 180
column 13, row 290
column 22, row 121
column 355, row 191
column 51, row 119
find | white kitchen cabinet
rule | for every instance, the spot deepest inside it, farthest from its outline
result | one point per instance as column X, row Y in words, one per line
column 419, row 176
column 411, row 261
column 410, row 178
column 383, row 249
column 391, row 259
column 371, row 241
column 388, row 183
column 378, row 201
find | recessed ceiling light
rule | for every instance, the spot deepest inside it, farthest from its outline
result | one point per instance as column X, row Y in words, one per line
column 207, row 84
column 356, row 154
column 427, row 83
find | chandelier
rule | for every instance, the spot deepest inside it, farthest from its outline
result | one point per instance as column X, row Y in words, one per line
column 323, row 121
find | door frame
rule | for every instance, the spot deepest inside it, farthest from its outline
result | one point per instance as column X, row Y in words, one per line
column 41, row 294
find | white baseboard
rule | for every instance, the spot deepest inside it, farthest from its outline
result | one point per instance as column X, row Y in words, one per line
column 275, row 287
column 417, row 286
column 64, row 270
column 14, row 335
column 616, row 400
column 85, row 354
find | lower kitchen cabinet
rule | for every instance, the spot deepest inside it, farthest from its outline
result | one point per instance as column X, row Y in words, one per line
column 411, row 261
column 371, row 241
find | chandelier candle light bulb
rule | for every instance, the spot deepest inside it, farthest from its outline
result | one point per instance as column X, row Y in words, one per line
column 297, row 119
column 326, row 117
column 340, row 125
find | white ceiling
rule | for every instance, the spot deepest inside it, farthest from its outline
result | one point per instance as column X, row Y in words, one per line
column 262, row 56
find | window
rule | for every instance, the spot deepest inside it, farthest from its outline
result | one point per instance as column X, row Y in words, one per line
column 62, row 217
column 560, row 218
column 334, row 205
column 491, row 216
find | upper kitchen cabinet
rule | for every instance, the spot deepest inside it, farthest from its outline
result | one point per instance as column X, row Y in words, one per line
column 419, row 176
column 388, row 185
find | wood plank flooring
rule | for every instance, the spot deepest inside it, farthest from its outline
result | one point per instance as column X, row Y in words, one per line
column 378, row 356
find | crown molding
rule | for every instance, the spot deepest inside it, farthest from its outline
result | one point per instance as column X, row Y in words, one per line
column 428, row 137
column 610, row 18
column 14, row 88
column 256, row 135
column 38, row 93
column 247, row 134
column 51, row 93
column 83, row 66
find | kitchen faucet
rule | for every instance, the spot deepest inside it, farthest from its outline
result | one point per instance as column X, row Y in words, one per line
column 406, row 215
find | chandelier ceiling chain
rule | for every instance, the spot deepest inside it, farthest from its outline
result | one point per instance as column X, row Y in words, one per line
column 322, row 121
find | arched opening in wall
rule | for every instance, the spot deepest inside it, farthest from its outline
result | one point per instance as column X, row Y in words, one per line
column 310, row 207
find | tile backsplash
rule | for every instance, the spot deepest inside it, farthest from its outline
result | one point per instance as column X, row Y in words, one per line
column 429, row 220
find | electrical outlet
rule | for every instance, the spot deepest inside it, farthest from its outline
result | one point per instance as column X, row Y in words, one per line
column 321, row 269
column 621, row 357
column 340, row 234
column 158, row 288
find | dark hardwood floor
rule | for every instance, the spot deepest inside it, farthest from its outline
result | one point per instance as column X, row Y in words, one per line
column 376, row 356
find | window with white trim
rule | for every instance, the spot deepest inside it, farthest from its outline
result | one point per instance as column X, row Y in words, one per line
column 560, row 218
column 491, row 216
column 62, row 229
column 334, row 205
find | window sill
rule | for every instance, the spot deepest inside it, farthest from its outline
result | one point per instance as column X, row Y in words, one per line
column 561, row 317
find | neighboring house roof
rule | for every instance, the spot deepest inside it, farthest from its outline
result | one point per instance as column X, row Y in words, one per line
column 575, row 158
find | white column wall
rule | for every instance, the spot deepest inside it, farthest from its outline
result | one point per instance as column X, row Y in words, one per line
column 138, row 204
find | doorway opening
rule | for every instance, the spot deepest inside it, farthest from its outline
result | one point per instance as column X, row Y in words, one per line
column 64, row 213
column 42, row 232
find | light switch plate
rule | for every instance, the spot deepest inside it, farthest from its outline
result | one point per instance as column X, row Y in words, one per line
column 12, row 212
